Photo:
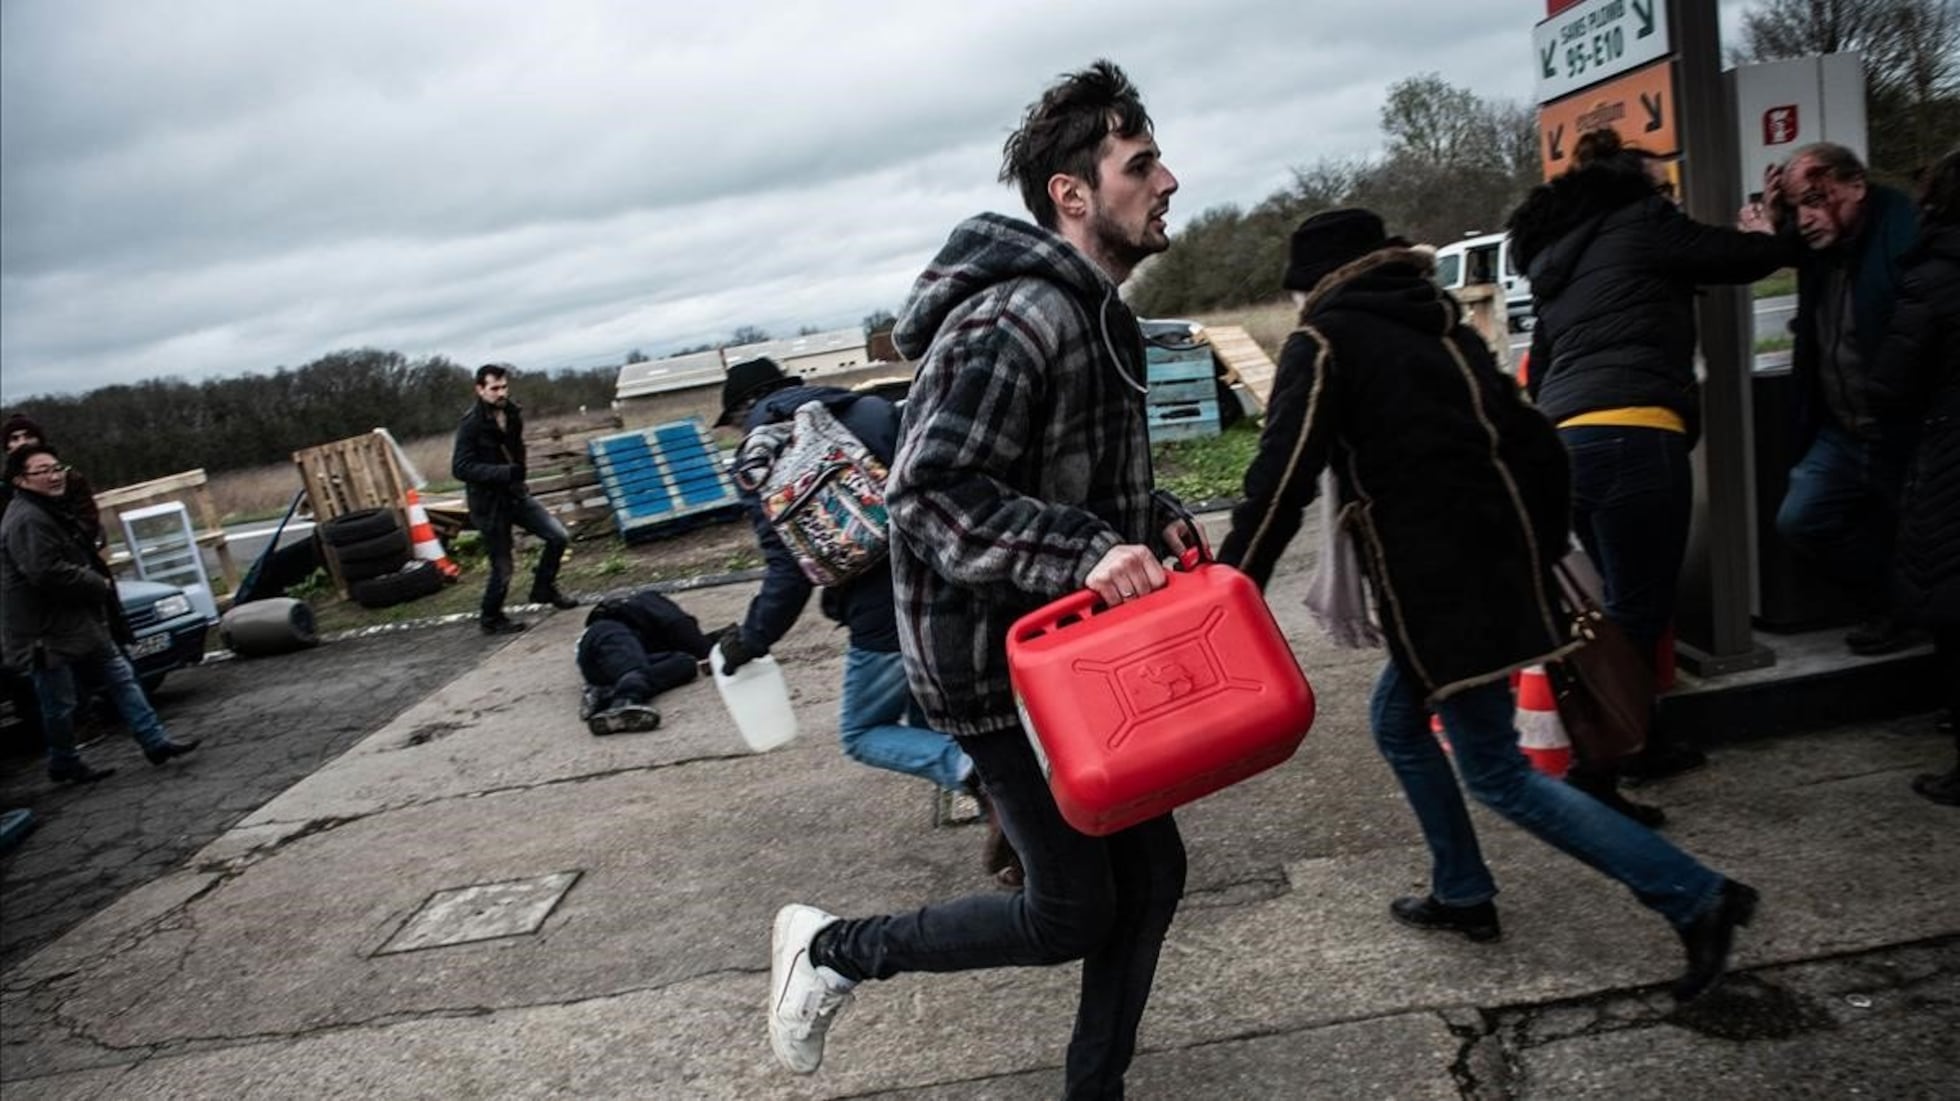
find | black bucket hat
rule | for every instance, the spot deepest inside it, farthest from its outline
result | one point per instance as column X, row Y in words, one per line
column 748, row 380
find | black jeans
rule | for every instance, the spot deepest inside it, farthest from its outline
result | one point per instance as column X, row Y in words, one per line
column 612, row 657
column 528, row 514
column 1632, row 497
column 1107, row 901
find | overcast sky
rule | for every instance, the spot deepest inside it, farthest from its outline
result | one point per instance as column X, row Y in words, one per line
column 213, row 188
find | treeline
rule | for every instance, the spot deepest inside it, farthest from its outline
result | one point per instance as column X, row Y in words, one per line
column 1452, row 163
column 125, row 434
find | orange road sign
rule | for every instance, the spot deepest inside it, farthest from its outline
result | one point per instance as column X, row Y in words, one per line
column 1640, row 105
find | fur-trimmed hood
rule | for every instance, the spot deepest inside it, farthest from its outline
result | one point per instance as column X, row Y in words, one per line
column 1552, row 227
column 1394, row 282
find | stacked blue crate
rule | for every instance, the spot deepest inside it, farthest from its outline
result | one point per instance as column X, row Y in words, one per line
column 1183, row 398
column 663, row 479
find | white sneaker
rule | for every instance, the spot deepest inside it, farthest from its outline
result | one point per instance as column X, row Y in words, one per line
column 803, row 999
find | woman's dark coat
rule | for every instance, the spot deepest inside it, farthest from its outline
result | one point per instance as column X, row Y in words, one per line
column 1454, row 489
column 1613, row 270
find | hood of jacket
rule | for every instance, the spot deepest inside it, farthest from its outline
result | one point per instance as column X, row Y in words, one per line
column 1552, row 227
column 1393, row 283
column 982, row 251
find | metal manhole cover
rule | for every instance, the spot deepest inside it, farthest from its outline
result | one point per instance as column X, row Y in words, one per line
column 485, row 911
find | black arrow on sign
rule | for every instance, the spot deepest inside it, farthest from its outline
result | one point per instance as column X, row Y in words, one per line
column 1653, row 105
column 1545, row 60
column 1554, row 138
column 1646, row 17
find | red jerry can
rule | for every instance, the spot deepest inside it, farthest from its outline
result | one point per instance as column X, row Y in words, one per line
column 1143, row 707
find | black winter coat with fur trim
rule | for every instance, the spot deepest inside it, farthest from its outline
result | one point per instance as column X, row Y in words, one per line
column 1455, row 490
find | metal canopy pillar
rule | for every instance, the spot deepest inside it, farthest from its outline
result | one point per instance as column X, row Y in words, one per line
column 1712, row 613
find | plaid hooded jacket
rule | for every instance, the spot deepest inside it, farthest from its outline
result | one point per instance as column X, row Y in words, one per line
column 1023, row 456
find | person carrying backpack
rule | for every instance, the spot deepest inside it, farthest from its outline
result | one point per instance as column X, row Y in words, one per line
column 880, row 723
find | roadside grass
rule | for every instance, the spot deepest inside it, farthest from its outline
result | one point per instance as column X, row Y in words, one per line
column 1781, row 342
column 1207, row 470
column 1781, row 283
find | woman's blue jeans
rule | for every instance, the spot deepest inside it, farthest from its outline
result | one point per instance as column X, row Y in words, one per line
column 877, row 701
column 1484, row 741
column 1107, row 901
column 1632, row 496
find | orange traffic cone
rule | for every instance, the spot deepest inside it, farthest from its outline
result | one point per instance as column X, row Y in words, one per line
column 1540, row 733
column 423, row 535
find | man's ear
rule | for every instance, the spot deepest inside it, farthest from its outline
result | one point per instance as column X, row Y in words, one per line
column 1070, row 194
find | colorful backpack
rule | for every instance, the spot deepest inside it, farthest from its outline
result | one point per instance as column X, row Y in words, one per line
column 822, row 491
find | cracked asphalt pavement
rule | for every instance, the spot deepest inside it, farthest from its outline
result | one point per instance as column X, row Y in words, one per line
column 254, row 965
column 265, row 724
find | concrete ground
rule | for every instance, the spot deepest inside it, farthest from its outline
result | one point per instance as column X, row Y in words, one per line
column 285, row 959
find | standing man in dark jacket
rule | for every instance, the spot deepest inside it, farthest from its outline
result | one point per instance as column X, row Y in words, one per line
column 58, row 614
column 1841, row 507
column 879, row 722
column 1918, row 377
column 1457, row 493
column 1614, row 267
column 489, row 461
column 1023, row 474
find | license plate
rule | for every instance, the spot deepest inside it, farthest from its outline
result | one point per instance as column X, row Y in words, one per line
column 155, row 644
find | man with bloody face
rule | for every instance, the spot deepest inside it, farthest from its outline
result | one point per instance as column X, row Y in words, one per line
column 1840, row 509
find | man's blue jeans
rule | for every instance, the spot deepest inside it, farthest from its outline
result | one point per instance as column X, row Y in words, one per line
column 876, row 700
column 1841, row 509
column 1107, row 901
column 56, row 688
column 1484, row 741
column 499, row 543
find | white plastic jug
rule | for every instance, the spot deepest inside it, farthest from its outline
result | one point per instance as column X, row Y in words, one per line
column 757, row 698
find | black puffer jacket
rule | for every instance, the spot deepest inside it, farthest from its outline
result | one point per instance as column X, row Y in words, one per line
column 1613, row 270
column 1455, row 490
column 1919, row 373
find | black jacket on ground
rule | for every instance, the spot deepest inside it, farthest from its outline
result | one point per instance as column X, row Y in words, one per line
column 1613, row 270
column 1918, row 374
column 864, row 603
column 658, row 622
column 489, row 461
column 1454, row 489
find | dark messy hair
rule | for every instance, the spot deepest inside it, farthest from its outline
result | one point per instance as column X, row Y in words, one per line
column 1063, row 132
column 1604, row 145
column 492, row 370
column 1939, row 199
column 18, row 457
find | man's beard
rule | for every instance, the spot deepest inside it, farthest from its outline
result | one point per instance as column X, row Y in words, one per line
column 1123, row 247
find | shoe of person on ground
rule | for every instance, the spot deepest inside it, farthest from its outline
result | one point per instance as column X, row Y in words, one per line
column 554, row 597
column 1477, row 922
column 624, row 718
column 168, row 748
column 1940, row 787
column 590, row 702
column 1709, row 938
column 1882, row 635
column 77, row 772
column 501, row 626
column 803, row 998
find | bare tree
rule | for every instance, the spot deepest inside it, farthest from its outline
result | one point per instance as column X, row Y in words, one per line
column 1911, row 54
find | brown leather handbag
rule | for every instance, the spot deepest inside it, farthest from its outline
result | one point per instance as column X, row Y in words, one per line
column 1604, row 690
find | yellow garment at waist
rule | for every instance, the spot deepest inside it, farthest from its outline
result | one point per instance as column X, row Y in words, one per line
column 1633, row 416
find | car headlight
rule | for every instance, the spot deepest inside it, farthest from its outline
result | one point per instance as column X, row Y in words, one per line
column 170, row 607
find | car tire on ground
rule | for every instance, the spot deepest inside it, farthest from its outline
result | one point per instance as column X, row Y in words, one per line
column 359, row 526
column 275, row 625
column 412, row 582
column 391, row 549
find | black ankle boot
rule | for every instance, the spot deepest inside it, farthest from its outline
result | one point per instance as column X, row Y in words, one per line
column 1709, row 937
column 1478, row 922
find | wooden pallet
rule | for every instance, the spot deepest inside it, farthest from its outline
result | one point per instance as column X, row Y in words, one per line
column 1245, row 361
column 664, row 479
column 352, row 475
